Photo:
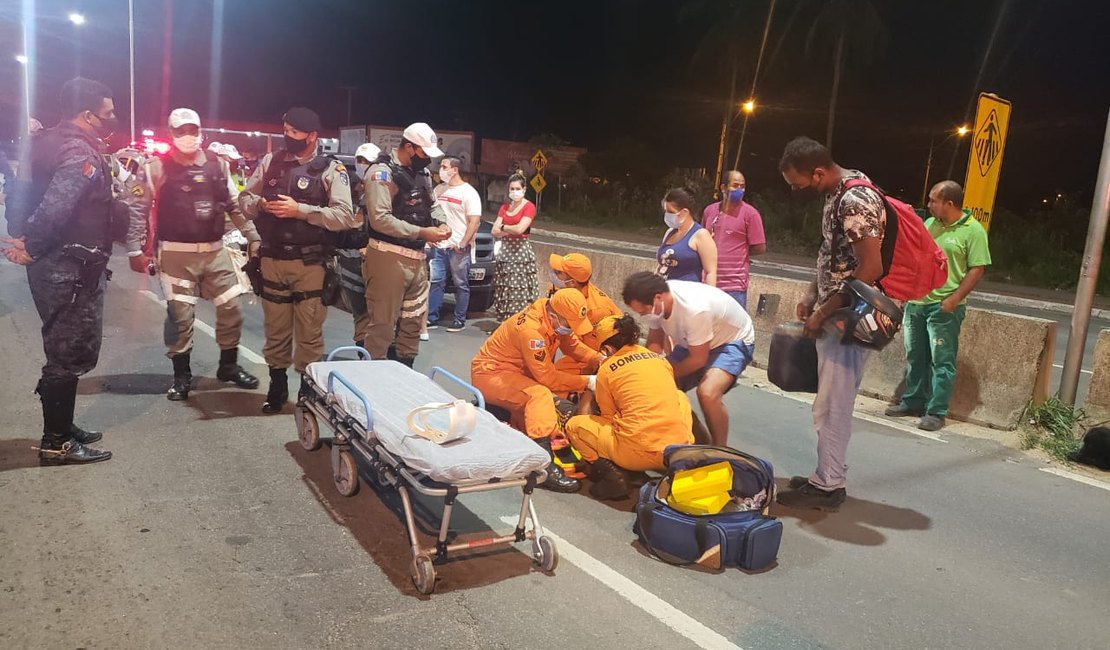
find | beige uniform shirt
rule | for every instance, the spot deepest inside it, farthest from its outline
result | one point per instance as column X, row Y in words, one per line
column 156, row 177
column 337, row 215
column 379, row 190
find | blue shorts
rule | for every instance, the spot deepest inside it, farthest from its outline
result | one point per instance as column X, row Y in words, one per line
column 730, row 357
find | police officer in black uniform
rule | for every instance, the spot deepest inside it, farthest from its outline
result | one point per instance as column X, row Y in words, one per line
column 62, row 233
column 403, row 217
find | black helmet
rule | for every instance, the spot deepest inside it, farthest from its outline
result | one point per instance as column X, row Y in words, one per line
column 871, row 319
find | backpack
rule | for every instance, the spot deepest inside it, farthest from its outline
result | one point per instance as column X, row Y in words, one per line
column 913, row 264
column 747, row 539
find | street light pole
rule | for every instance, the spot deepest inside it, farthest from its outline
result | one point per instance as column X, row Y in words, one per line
column 928, row 168
column 1088, row 276
column 131, row 47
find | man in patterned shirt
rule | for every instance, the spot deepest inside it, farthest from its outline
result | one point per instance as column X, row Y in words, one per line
column 852, row 229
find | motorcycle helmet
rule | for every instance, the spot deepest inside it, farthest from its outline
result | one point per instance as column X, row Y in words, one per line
column 871, row 319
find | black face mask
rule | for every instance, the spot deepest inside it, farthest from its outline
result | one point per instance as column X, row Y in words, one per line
column 105, row 126
column 806, row 194
column 418, row 164
column 295, row 146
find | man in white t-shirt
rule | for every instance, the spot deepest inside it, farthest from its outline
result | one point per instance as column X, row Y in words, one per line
column 707, row 336
column 463, row 207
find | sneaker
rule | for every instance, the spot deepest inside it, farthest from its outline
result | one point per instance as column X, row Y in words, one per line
column 811, row 497
column 796, row 482
column 901, row 411
column 432, row 325
column 931, row 423
column 456, row 326
column 424, row 336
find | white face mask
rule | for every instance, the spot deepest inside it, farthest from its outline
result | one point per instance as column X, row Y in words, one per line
column 516, row 195
column 187, row 144
column 555, row 280
column 655, row 319
column 360, row 169
column 445, row 175
column 671, row 219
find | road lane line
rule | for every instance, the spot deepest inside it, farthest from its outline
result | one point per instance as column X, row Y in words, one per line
column 1077, row 477
column 866, row 417
column 663, row 611
column 1085, row 372
column 246, row 352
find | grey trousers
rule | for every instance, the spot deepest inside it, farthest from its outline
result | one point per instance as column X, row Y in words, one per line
column 839, row 373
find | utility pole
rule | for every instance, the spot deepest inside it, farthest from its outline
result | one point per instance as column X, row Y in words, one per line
column 349, row 89
column 1088, row 276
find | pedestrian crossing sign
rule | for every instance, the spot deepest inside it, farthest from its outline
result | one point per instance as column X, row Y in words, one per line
column 984, row 163
column 538, row 183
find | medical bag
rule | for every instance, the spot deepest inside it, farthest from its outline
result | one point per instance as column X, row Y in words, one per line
column 742, row 534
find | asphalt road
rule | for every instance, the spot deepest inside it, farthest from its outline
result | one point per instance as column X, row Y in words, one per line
column 210, row 528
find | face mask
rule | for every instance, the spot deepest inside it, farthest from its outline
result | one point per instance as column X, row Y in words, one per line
column 417, row 163
column 671, row 219
column 560, row 330
column 360, row 169
column 516, row 195
column 555, row 280
column 806, row 194
column 105, row 126
column 187, row 144
column 736, row 195
column 295, row 146
column 654, row 320
column 445, row 175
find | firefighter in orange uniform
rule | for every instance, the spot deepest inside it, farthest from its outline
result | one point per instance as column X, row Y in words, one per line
column 639, row 410
column 515, row 371
column 574, row 271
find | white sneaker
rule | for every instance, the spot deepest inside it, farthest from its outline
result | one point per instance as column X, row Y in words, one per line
column 424, row 336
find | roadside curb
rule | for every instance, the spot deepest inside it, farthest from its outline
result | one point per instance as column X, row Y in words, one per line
column 757, row 265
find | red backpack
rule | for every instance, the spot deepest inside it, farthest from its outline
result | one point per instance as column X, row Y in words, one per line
column 913, row 264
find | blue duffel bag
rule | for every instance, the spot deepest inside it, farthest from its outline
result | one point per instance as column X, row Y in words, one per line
column 743, row 534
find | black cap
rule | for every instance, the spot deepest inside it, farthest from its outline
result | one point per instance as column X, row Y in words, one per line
column 302, row 119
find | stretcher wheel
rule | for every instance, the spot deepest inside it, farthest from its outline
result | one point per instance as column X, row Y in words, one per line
column 423, row 574
column 546, row 555
column 344, row 472
column 308, row 429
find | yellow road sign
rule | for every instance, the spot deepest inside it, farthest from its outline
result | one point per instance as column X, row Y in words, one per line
column 539, row 161
column 538, row 183
column 984, row 163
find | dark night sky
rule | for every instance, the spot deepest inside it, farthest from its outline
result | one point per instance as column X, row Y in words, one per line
column 599, row 71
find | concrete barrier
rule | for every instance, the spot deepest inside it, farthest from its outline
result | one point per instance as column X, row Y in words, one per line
column 1098, row 395
column 1005, row 360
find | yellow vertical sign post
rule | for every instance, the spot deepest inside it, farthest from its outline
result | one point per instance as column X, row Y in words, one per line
column 539, row 163
column 984, row 163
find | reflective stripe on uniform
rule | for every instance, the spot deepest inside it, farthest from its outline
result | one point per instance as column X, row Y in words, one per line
column 233, row 292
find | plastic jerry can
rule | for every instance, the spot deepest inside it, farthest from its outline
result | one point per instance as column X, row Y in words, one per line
column 792, row 360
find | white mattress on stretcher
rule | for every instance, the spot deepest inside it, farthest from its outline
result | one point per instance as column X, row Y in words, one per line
column 492, row 450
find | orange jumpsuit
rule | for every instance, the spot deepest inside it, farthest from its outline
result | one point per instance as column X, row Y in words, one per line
column 598, row 306
column 641, row 412
column 514, row 370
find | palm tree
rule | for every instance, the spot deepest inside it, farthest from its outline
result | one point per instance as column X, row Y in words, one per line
column 852, row 31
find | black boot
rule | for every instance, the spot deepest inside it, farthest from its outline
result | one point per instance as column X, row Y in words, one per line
column 609, row 481
column 557, row 481
column 278, row 394
column 182, row 378
column 58, row 446
column 230, row 370
column 408, row 361
column 76, row 432
column 304, row 392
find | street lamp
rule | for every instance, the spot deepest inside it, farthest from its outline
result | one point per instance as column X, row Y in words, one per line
column 959, row 132
column 76, row 18
column 21, row 58
column 748, row 106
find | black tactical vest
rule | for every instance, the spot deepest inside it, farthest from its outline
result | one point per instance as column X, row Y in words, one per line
column 412, row 203
column 192, row 202
column 303, row 182
column 91, row 224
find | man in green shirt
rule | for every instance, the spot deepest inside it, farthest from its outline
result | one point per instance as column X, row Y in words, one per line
column 932, row 324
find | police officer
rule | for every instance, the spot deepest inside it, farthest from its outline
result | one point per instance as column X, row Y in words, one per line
column 402, row 219
column 296, row 199
column 193, row 190
column 349, row 245
column 65, row 227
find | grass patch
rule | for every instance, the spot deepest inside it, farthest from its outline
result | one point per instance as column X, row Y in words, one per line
column 1051, row 426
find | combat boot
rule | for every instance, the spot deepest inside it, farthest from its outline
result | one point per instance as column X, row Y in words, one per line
column 278, row 394
column 76, row 432
column 182, row 378
column 557, row 481
column 231, row 371
column 58, row 446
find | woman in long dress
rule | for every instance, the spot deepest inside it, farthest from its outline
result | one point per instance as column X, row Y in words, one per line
column 515, row 281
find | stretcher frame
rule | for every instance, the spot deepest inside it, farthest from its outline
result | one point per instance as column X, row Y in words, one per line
column 318, row 403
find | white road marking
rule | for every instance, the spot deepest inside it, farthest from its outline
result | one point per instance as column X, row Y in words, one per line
column 663, row 611
column 1085, row 372
column 246, row 352
column 865, row 417
column 1077, row 477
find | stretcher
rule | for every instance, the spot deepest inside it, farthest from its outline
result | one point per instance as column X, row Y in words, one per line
column 366, row 404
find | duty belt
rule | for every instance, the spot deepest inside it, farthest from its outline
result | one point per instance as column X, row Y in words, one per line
column 394, row 248
column 186, row 247
column 313, row 254
column 293, row 297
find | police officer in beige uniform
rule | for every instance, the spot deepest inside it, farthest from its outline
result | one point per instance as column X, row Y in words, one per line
column 297, row 199
column 402, row 217
column 192, row 191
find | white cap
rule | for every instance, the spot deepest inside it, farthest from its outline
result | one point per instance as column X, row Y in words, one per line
column 215, row 147
column 230, row 151
column 369, row 151
column 182, row 116
column 424, row 137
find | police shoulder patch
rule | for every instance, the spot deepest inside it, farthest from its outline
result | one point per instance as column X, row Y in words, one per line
column 137, row 190
column 536, row 344
column 344, row 179
column 540, row 356
column 89, row 171
column 381, row 176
